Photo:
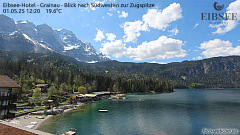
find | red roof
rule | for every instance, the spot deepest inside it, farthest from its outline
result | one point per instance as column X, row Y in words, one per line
column 6, row 82
column 8, row 130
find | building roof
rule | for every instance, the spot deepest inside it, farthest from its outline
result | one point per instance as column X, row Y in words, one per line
column 99, row 93
column 41, row 85
column 6, row 82
column 89, row 95
column 8, row 130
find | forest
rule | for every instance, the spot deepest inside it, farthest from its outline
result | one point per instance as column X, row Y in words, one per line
column 28, row 75
column 65, row 73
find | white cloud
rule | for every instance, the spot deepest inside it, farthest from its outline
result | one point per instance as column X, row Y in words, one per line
column 96, row 2
column 228, row 25
column 174, row 32
column 158, row 62
column 196, row 25
column 112, row 9
column 161, row 48
column 132, row 30
column 110, row 36
column 153, row 62
column 218, row 47
column 110, row 14
column 115, row 48
column 154, row 18
column 197, row 58
column 160, row 19
column 123, row 14
column 100, row 36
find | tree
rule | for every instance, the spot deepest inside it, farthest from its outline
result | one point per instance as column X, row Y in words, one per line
column 70, row 100
column 62, row 89
column 37, row 96
column 115, row 87
column 52, row 91
column 82, row 90
column 88, row 88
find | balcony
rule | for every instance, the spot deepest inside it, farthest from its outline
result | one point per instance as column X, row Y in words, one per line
column 4, row 98
column 3, row 107
column 10, row 115
column 11, row 107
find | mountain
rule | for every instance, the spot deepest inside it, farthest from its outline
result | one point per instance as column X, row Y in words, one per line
column 25, row 36
column 218, row 72
column 77, row 48
column 7, row 25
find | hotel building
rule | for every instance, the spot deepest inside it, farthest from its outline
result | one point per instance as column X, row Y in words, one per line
column 6, row 85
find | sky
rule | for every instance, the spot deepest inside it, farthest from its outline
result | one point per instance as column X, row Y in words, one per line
column 171, row 31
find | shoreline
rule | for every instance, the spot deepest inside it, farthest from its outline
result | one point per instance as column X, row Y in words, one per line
column 67, row 110
column 37, row 125
column 32, row 120
column 21, row 121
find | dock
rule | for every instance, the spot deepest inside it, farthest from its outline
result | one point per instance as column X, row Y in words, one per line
column 72, row 131
column 69, row 133
column 103, row 110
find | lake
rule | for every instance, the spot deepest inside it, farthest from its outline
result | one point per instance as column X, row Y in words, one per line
column 184, row 112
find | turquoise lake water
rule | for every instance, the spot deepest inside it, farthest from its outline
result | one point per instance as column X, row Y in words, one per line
column 184, row 112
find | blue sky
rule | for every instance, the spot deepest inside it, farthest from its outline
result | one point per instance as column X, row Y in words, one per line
column 172, row 31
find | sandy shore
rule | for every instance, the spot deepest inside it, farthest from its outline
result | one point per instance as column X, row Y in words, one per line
column 32, row 121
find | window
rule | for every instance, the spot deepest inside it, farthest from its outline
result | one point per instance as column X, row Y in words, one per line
column 3, row 93
column 2, row 113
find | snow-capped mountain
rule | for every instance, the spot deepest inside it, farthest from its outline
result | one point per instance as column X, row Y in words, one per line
column 78, row 49
column 26, row 36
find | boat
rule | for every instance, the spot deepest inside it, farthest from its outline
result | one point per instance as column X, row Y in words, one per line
column 40, row 117
column 72, row 131
column 103, row 110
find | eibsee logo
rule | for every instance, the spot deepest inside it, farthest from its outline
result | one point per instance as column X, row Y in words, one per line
column 219, row 16
column 218, row 7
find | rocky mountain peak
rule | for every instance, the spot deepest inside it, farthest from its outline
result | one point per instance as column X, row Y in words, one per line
column 7, row 24
column 41, row 37
column 28, row 28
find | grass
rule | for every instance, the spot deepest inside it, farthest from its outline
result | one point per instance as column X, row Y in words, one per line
column 21, row 104
column 28, row 110
column 63, row 103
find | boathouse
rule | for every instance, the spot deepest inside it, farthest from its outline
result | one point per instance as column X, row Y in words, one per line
column 43, row 87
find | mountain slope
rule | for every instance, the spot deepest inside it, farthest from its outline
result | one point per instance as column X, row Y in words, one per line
column 27, row 37
column 78, row 49
column 219, row 72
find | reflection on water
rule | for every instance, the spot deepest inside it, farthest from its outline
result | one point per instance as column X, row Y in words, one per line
column 184, row 112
